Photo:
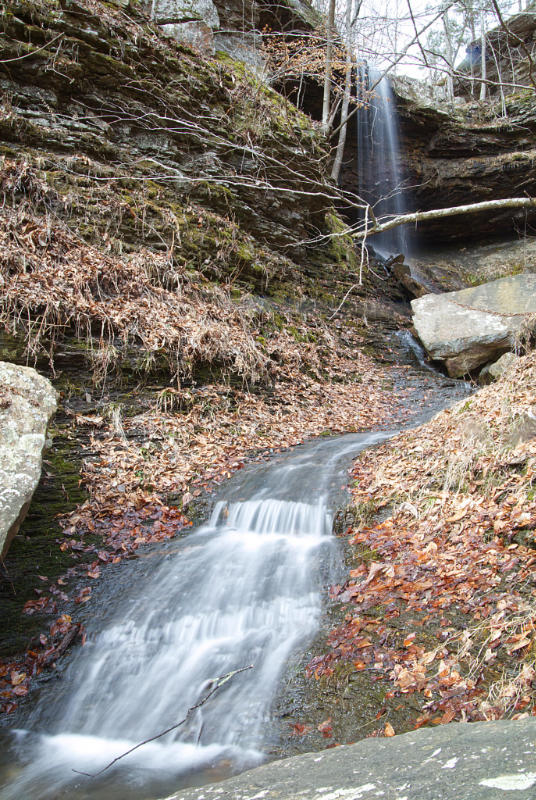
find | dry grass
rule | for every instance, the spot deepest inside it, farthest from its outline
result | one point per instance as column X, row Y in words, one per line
column 462, row 539
column 53, row 284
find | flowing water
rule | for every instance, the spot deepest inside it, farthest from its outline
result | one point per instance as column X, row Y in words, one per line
column 378, row 152
column 246, row 588
column 414, row 349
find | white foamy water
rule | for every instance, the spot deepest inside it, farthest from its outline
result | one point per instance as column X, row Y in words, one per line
column 244, row 589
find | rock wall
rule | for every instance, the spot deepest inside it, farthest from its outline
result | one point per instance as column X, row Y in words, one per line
column 133, row 141
column 231, row 26
column 455, row 156
column 467, row 155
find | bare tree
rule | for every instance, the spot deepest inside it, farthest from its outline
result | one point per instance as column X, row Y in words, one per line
column 350, row 22
column 328, row 68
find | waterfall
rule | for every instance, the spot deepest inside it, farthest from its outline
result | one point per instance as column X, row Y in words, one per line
column 378, row 154
column 246, row 588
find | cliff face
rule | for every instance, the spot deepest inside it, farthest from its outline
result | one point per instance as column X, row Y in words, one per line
column 469, row 155
column 231, row 26
column 118, row 138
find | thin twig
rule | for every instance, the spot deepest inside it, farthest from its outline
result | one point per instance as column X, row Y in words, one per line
column 352, row 287
column 216, row 684
column 32, row 52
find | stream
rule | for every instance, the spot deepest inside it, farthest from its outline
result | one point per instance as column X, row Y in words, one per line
column 248, row 587
column 245, row 588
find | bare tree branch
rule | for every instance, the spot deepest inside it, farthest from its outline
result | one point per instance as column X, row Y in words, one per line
column 216, row 684
column 32, row 52
column 438, row 213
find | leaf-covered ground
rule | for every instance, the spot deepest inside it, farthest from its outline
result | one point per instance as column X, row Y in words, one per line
column 166, row 257
column 439, row 609
column 146, row 462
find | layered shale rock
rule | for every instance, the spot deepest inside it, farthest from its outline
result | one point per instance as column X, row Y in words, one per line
column 141, row 141
column 115, row 134
column 459, row 154
column 468, row 155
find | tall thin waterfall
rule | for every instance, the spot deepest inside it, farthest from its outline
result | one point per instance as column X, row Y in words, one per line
column 378, row 153
column 243, row 589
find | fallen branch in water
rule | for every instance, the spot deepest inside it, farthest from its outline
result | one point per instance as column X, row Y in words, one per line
column 216, row 684
column 64, row 645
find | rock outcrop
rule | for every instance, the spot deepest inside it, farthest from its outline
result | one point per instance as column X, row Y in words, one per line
column 212, row 25
column 137, row 145
column 476, row 761
column 27, row 404
column 468, row 328
column 467, row 155
column 458, row 155
column 165, row 139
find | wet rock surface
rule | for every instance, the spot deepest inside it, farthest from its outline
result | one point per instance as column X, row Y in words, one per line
column 478, row 761
column 27, row 403
column 468, row 328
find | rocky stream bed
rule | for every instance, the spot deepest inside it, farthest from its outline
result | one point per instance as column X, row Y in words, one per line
column 419, row 392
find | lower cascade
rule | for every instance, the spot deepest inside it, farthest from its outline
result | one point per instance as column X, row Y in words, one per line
column 246, row 588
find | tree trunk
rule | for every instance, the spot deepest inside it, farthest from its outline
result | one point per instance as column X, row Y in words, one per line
column 346, row 100
column 482, row 57
column 327, row 71
column 450, row 59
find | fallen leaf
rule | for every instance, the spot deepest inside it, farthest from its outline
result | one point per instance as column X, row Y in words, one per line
column 17, row 678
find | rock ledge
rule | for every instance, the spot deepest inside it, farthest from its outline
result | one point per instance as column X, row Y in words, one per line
column 473, row 761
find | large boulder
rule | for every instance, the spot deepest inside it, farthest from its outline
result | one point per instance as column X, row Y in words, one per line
column 476, row 761
column 471, row 327
column 27, row 403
